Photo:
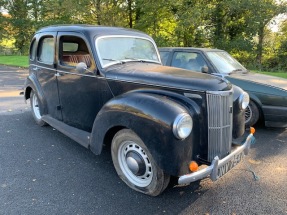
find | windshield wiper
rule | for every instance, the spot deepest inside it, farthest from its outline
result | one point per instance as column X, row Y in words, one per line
column 110, row 59
column 141, row 60
column 114, row 60
column 129, row 60
column 239, row 70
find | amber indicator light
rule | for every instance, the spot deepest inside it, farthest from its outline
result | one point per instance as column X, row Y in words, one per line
column 193, row 166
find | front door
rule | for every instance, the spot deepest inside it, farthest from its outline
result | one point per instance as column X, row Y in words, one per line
column 46, row 73
column 82, row 95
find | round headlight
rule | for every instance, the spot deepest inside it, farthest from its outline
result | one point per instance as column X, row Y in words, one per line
column 182, row 126
column 243, row 100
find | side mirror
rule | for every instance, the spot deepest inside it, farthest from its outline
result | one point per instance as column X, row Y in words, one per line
column 81, row 67
column 204, row 69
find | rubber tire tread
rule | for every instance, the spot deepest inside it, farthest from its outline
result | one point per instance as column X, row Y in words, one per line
column 38, row 121
column 160, row 180
column 255, row 114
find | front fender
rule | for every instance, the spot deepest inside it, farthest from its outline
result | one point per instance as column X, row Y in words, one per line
column 151, row 117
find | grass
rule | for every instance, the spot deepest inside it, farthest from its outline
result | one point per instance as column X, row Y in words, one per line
column 19, row 61
column 22, row 61
column 276, row 74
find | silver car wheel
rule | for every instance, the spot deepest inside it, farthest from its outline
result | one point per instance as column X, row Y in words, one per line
column 135, row 164
column 248, row 114
column 35, row 107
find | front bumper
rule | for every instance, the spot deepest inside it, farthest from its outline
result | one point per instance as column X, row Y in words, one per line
column 212, row 171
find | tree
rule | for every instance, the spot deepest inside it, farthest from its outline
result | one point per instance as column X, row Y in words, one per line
column 193, row 22
column 20, row 23
column 265, row 11
column 156, row 19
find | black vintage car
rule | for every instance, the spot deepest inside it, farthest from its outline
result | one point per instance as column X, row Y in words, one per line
column 268, row 95
column 106, row 86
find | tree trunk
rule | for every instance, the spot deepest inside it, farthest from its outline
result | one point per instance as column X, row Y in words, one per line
column 260, row 45
column 130, row 13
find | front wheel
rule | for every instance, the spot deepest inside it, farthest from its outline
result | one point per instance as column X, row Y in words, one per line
column 251, row 114
column 36, row 109
column 135, row 165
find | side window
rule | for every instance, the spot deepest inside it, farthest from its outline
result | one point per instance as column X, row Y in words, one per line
column 33, row 50
column 188, row 60
column 164, row 57
column 46, row 50
column 73, row 50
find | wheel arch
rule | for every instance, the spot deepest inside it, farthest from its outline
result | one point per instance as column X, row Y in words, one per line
column 258, row 104
column 139, row 112
column 33, row 84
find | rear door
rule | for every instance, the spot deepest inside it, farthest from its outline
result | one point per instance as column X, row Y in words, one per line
column 45, row 71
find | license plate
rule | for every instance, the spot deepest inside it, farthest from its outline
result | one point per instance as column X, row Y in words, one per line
column 232, row 163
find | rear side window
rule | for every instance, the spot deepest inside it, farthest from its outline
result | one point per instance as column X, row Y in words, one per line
column 33, row 50
column 46, row 50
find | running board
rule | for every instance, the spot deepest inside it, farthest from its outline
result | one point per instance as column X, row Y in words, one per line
column 80, row 136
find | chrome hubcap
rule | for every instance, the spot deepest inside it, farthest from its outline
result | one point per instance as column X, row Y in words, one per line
column 135, row 164
column 248, row 114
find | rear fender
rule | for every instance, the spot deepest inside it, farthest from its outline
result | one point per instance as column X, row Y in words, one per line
column 33, row 84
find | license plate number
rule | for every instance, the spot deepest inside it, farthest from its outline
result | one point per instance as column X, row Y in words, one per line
column 232, row 163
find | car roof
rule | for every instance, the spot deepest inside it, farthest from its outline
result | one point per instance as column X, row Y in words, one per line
column 188, row 49
column 93, row 30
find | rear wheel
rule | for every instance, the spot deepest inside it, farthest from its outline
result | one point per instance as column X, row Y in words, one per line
column 251, row 114
column 135, row 165
column 36, row 109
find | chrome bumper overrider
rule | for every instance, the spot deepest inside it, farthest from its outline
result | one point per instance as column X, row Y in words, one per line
column 212, row 170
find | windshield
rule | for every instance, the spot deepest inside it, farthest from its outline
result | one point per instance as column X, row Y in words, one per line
column 224, row 62
column 119, row 49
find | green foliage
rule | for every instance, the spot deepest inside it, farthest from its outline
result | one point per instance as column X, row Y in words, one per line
column 237, row 26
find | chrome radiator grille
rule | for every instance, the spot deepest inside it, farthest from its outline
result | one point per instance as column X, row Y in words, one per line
column 219, row 111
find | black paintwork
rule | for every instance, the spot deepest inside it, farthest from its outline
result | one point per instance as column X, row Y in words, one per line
column 272, row 101
column 91, row 107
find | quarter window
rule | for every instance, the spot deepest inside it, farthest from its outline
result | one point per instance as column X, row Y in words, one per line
column 33, row 50
column 47, row 50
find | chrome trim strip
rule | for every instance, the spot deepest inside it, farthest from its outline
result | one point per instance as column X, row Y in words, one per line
column 212, row 170
column 192, row 96
column 43, row 67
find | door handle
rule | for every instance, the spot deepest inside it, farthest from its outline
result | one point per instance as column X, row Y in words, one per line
column 35, row 68
column 58, row 74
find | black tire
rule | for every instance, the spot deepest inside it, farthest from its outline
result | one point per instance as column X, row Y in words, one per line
column 36, row 108
column 127, row 150
column 251, row 114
